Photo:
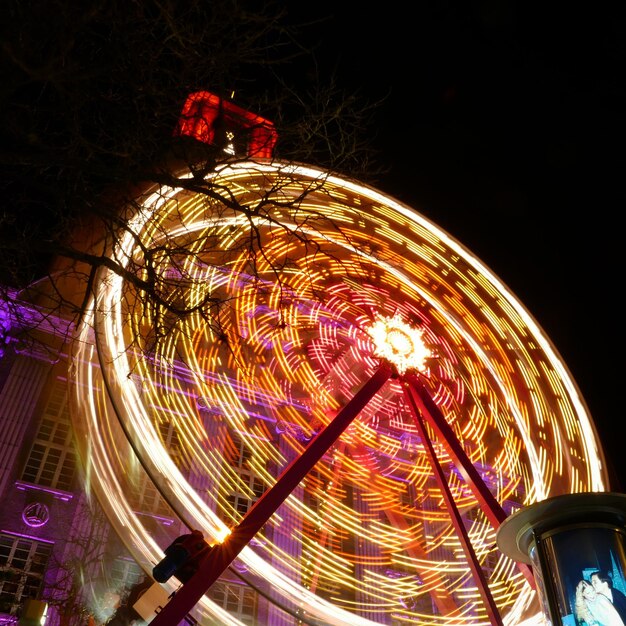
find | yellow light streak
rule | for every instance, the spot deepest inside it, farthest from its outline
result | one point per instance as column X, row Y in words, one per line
column 369, row 516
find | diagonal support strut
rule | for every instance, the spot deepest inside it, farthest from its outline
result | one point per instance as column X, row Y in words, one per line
column 221, row 555
column 488, row 503
column 455, row 516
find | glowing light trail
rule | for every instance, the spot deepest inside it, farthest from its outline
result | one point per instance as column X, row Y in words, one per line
column 399, row 343
column 192, row 432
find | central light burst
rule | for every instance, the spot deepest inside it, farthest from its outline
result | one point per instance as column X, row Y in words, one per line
column 399, row 343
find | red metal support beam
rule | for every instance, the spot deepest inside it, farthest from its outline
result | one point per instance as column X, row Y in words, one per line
column 455, row 516
column 222, row 555
column 433, row 415
column 486, row 500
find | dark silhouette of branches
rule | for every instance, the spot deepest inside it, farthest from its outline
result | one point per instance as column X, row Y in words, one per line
column 88, row 104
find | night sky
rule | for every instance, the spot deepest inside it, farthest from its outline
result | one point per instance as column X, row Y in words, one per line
column 503, row 124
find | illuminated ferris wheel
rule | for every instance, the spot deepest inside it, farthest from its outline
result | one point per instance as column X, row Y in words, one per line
column 418, row 400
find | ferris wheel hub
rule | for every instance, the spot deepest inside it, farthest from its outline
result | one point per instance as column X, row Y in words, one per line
column 399, row 343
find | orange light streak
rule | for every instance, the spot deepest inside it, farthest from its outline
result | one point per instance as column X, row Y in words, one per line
column 297, row 349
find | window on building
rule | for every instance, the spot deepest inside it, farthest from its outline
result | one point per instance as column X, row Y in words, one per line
column 23, row 562
column 52, row 459
column 146, row 500
column 249, row 487
column 171, row 441
column 143, row 496
column 251, row 490
column 125, row 574
column 238, row 600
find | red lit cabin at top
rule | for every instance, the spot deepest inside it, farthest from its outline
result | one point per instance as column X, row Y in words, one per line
column 213, row 120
